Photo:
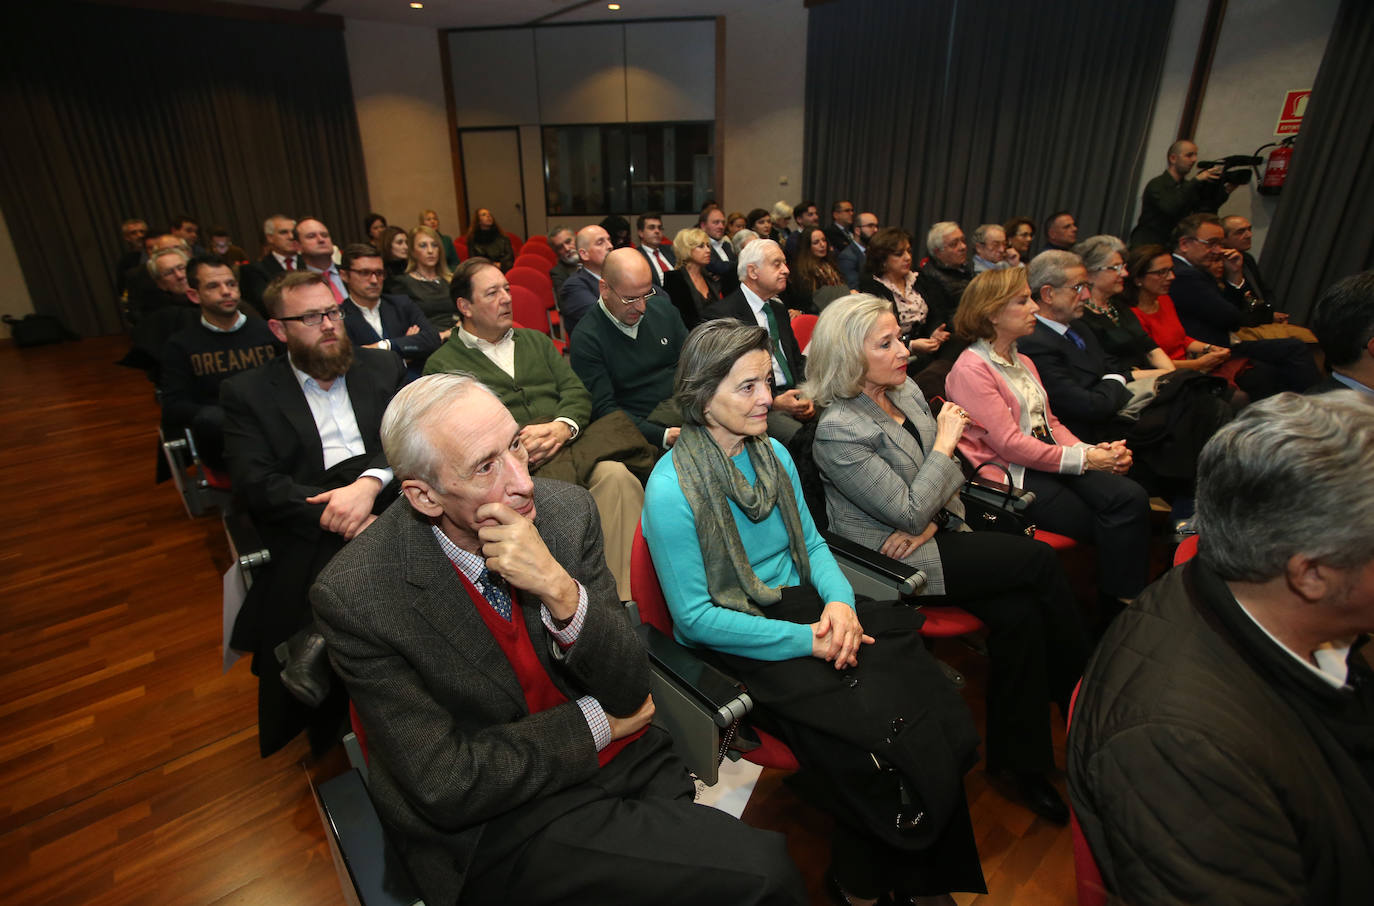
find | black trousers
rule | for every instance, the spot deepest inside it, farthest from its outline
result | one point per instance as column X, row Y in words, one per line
column 1037, row 644
column 630, row 834
column 897, row 706
column 1112, row 511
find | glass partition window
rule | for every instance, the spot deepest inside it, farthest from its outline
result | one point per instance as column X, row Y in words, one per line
column 628, row 167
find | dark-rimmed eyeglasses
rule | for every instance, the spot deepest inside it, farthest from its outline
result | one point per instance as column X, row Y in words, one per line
column 313, row 318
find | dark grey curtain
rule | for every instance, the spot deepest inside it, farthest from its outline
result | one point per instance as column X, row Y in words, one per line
column 979, row 110
column 114, row 112
column 1323, row 229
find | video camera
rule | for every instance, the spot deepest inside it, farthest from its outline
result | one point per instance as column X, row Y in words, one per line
column 1234, row 177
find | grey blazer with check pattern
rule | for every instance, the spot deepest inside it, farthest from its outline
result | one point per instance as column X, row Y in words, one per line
column 877, row 480
column 451, row 741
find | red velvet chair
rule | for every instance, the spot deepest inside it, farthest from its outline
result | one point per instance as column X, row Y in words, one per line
column 533, row 262
column 530, row 311
column 1087, row 877
column 460, row 244
column 515, row 241
column 653, row 609
column 802, row 326
column 1187, row 549
column 538, row 245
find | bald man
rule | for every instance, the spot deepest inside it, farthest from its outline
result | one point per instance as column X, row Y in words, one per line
column 1171, row 195
column 627, row 350
column 583, row 289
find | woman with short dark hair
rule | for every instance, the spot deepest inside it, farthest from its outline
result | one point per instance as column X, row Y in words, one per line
column 750, row 582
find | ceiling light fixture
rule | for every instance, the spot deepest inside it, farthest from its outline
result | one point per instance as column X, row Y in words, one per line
column 417, row 6
column 613, row 6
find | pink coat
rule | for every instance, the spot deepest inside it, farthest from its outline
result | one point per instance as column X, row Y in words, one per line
column 994, row 433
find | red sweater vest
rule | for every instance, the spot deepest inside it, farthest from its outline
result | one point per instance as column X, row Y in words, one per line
column 514, row 638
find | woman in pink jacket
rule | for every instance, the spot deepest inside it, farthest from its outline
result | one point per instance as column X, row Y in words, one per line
column 1081, row 490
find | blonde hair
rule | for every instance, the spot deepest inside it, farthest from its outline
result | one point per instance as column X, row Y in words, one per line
column 835, row 360
column 984, row 297
column 442, row 267
column 685, row 241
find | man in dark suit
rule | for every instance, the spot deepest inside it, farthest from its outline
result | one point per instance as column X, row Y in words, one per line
column 1343, row 320
column 301, row 437
column 505, row 696
column 660, row 257
column 763, row 276
column 1085, row 386
column 1211, row 313
column 724, row 259
column 841, row 230
column 582, row 289
column 375, row 321
column 1061, row 232
column 808, row 215
column 1239, row 234
column 283, row 255
column 851, row 258
column 1088, row 389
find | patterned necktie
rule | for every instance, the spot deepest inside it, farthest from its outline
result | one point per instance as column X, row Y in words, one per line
column 494, row 590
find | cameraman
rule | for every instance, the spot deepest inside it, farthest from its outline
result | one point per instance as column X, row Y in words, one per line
column 1171, row 196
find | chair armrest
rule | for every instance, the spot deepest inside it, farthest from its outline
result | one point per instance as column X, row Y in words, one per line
column 245, row 545
column 693, row 701
column 880, row 576
column 367, row 861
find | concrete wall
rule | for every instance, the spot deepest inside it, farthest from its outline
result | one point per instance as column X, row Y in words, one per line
column 398, row 88
column 1266, row 48
column 763, row 120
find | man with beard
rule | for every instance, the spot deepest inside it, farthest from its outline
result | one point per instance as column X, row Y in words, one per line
column 851, row 257
column 301, row 437
column 1171, row 196
column 564, row 245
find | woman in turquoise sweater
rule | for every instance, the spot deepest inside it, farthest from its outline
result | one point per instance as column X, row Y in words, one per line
column 882, row 738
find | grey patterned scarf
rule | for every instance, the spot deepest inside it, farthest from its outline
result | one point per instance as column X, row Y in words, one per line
column 704, row 473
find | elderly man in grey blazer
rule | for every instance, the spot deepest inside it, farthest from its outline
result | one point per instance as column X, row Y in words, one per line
column 892, row 484
column 505, row 696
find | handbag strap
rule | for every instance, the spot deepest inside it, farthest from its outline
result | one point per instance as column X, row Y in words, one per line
column 1005, row 472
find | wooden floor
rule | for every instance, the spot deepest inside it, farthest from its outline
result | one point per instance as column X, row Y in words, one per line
column 129, row 768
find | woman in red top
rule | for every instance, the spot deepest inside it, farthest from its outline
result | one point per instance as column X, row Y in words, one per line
column 1149, row 274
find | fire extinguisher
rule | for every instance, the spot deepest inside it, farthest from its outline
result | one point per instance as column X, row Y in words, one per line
column 1276, row 168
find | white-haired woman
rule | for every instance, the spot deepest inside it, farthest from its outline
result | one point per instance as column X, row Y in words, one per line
column 892, row 484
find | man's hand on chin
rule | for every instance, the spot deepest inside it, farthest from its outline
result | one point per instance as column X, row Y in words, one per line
column 512, row 547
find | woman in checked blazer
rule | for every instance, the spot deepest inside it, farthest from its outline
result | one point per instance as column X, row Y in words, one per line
column 892, row 484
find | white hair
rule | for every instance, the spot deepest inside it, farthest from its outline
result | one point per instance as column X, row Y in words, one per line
column 742, row 238
column 752, row 254
column 935, row 239
column 410, row 449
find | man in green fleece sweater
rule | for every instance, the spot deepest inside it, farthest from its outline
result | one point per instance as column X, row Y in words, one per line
column 627, row 350
column 550, row 404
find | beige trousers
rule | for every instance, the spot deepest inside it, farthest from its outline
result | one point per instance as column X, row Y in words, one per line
column 619, row 498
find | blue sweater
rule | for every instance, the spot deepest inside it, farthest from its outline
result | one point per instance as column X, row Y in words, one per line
column 672, row 535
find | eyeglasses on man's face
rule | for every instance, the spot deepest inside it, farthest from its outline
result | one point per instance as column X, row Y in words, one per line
column 314, row 318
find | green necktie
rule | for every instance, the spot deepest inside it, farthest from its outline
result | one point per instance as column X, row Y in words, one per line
column 775, row 336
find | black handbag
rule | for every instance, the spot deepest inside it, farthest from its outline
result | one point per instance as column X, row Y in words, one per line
column 996, row 506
